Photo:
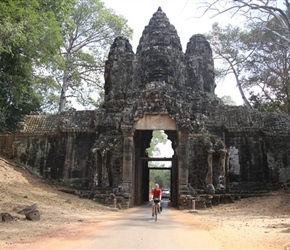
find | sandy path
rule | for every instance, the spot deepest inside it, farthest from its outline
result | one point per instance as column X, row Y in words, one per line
column 252, row 223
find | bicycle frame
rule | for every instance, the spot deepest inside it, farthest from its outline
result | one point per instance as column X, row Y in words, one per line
column 156, row 208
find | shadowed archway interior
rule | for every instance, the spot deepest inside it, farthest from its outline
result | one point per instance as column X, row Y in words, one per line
column 142, row 139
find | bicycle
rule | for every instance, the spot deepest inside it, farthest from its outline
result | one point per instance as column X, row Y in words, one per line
column 156, row 201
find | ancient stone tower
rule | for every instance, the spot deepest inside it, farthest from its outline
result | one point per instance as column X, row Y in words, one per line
column 159, row 87
column 217, row 148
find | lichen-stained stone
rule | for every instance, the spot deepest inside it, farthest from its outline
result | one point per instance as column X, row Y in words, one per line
column 199, row 64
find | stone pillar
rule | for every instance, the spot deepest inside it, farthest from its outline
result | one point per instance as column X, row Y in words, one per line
column 222, row 162
column 128, row 166
column 183, row 161
column 69, row 158
column 222, row 167
column 128, row 152
column 209, row 176
column 96, row 171
column 227, row 169
column 104, row 171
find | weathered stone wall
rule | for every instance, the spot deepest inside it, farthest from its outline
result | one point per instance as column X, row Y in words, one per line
column 107, row 159
column 255, row 141
column 61, row 156
column 257, row 146
column 54, row 147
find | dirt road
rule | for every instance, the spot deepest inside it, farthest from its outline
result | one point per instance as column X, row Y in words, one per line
column 68, row 222
column 136, row 229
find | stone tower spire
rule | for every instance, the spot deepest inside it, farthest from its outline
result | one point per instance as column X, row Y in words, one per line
column 160, row 53
column 199, row 64
column 119, row 68
column 159, row 62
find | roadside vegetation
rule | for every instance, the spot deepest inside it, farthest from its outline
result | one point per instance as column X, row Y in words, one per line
column 52, row 54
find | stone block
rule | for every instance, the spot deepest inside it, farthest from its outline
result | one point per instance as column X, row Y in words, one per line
column 6, row 217
column 33, row 215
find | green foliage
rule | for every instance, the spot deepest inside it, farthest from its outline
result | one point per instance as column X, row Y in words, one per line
column 32, row 25
column 29, row 37
column 268, row 68
column 48, row 90
column 158, row 136
column 43, row 42
column 162, row 177
column 16, row 94
column 228, row 100
column 87, row 36
column 267, row 106
column 264, row 45
column 230, row 51
column 259, row 59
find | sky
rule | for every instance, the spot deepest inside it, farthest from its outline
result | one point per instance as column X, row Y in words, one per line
column 185, row 15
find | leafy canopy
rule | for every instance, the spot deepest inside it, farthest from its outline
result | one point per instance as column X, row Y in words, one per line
column 87, row 36
column 264, row 71
column 158, row 137
column 29, row 37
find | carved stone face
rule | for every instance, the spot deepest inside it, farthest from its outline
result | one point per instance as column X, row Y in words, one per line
column 159, row 49
column 157, row 60
column 159, row 65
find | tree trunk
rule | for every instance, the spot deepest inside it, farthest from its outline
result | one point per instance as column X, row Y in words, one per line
column 248, row 105
column 62, row 100
column 65, row 82
column 243, row 95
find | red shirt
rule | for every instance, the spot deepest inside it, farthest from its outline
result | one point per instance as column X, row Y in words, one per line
column 156, row 193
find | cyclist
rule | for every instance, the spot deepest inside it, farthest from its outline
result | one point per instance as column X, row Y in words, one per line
column 156, row 194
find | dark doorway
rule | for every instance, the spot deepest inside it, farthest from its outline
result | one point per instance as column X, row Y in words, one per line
column 142, row 166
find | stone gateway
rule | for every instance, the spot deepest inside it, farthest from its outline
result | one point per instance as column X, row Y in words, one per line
column 218, row 149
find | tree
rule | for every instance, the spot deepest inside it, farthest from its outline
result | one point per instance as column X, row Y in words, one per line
column 87, row 35
column 228, row 47
column 10, row 34
column 228, row 100
column 268, row 69
column 29, row 36
column 17, row 97
column 160, row 176
column 253, row 10
column 158, row 136
column 259, row 60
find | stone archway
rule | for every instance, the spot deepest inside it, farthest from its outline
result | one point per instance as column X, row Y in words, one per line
column 154, row 122
column 140, row 171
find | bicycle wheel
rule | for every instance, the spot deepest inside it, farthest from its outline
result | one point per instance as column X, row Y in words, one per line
column 156, row 212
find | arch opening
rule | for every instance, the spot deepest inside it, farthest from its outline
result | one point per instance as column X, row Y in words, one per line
column 150, row 161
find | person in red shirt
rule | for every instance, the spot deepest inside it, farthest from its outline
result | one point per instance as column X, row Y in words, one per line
column 156, row 194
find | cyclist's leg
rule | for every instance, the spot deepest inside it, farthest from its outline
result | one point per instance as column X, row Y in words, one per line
column 152, row 208
column 158, row 207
